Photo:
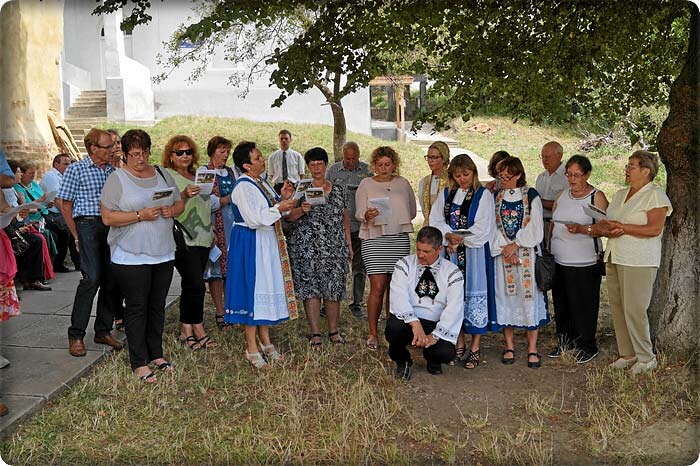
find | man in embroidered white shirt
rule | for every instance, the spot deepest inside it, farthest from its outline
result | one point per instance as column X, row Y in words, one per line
column 427, row 306
column 285, row 164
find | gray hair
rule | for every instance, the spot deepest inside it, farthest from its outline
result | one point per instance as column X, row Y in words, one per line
column 352, row 145
column 431, row 236
column 647, row 160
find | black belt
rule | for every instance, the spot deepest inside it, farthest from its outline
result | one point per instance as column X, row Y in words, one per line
column 87, row 217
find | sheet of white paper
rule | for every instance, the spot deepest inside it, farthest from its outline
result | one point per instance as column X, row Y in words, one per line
column 214, row 253
column 594, row 212
column 383, row 205
column 315, row 196
column 565, row 222
column 6, row 218
column 462, row 232
column 204, row 178
column 162, row 197
column 50, row 197
column 302, row 186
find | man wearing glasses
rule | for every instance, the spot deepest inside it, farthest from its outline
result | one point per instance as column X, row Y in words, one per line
column 550, row 182
column 79, row 201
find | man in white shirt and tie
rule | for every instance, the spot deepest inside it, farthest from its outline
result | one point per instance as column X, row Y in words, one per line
column 285, row 164
column 426, row 306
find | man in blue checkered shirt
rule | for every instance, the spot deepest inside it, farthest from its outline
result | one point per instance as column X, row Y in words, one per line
column 79, row 198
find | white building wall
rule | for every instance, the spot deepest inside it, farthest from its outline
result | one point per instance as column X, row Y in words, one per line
column 210, row 95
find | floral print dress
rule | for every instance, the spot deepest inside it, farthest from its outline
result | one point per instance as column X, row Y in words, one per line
column 318, row 250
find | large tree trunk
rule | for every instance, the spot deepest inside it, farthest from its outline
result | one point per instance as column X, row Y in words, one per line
column 339, row 130
column 675, row 307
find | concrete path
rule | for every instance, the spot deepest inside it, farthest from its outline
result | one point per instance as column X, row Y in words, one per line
column 36, row 344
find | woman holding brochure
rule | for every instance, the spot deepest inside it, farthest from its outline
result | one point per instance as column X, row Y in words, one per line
column 576, row 289
column 219, row 149
column 320, row 248
column 139, row 203
column 181, row 158
column 386, row 207
column 464, row 213
column 259, row 286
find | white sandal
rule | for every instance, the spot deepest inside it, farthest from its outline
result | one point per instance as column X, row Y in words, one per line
column 256, row 359
column 271, row 353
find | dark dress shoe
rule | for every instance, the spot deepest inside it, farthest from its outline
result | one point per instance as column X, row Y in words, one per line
column 37, row 285
column 109, row 340
column 434, row 369
column 76, row 348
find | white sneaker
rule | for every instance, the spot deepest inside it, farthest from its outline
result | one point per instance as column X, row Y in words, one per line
column 640, row 366
column 622, row 363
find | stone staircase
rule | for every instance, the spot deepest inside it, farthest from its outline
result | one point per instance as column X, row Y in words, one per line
column 88, row 110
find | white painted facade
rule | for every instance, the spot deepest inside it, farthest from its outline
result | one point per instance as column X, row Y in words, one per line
column 124, row 65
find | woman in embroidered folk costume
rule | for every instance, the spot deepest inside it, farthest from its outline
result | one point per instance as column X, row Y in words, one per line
column 519, row 229
column 259, row 288
column 430, row 186
column 466, row 205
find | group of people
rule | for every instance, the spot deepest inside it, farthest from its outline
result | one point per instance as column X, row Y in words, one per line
column 261, row 242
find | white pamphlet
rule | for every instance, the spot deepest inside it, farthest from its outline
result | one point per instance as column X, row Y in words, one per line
column 204, row 178
column 594, row 212
column 462, row 232
column 162, row 197
column 214, row 253
column 6, row 217
column 50, row 197
column 383, row 205
column 302, row 186
column 315, row 196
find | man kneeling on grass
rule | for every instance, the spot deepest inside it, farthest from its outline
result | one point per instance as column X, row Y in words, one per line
column 427, row 306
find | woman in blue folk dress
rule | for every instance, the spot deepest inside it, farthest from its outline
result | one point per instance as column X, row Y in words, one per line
column 259, row 288
column 466, row 205
column 519, row 229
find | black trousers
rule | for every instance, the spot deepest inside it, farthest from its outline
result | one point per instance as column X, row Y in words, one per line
column 190, row 264
column 30, row 264
column 576, row 296
column 359, row 274
column 145, row 289
column 400, row 334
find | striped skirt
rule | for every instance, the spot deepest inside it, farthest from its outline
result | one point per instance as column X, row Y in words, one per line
column 380, row 254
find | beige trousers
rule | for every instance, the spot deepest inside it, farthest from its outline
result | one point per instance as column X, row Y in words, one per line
column 629, row 292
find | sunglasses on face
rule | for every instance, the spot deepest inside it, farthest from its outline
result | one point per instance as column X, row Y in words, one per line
column 182, row 152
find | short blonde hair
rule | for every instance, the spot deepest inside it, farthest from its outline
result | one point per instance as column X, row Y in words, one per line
column 463, row 162
column 385, row 151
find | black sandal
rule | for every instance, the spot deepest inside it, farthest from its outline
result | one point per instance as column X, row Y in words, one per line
column 207, row 342
column 458, row 355
column 506, row 360
column 315, row 344
column 338, row 341
column 534, row 364
column 220, row 323
column 473, row 359
column 192, row 342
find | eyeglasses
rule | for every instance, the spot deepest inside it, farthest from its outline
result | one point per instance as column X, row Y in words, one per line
column 139, row 155
column 506, row 177
column 575, row 176
column 182, row 152
column 104, row 147
column 432, row 158
column 630, row 167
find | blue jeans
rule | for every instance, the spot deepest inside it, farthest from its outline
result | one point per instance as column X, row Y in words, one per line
column 95, row 267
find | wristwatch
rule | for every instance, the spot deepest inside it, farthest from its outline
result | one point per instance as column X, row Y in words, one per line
column 589, row 228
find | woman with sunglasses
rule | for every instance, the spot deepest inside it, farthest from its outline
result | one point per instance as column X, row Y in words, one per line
column 181, row 158
column 519, row 230
column 430, row 186
column 576, row 289
column 142, row 248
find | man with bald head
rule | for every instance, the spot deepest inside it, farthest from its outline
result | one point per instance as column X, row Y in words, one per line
column 551, row 181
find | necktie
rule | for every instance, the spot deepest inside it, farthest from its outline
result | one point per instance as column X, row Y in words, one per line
column 285, row 170
column 427, row 286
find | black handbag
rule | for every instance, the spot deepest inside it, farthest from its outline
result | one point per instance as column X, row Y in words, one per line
column 600, row 263
column 19, row 244
column 545, row 269
column 179, row 232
